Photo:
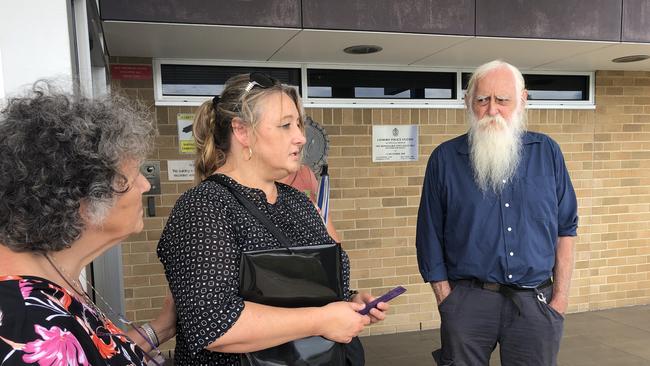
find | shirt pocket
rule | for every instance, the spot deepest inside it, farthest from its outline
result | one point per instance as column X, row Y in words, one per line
column 540, row 213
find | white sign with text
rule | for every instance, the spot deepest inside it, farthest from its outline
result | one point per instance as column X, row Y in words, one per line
column 180, row 169
column 394, row 143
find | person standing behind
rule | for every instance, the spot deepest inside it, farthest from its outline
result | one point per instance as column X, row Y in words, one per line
column 305, row 181
column 495, row 230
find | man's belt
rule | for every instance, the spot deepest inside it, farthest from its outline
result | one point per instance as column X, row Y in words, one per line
column 506, row 290
column 497, row 287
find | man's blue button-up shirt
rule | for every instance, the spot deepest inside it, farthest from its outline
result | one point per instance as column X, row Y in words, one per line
column 509, row 238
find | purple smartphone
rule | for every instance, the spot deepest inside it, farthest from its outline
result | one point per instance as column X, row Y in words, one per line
column 383, row 298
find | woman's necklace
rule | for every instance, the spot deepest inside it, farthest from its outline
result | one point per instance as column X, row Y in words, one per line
column 76, row 287
column 157, row 359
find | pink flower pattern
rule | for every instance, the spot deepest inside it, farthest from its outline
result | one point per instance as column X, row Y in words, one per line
column 25, row 288
column 56, row 348
column 51, row 339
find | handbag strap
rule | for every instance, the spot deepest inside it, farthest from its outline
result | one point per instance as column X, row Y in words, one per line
column 254, row 210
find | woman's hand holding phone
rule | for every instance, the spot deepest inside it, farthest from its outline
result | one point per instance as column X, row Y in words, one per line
column 376, row 308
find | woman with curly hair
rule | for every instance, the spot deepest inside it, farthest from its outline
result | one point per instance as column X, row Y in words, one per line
column 70, row 189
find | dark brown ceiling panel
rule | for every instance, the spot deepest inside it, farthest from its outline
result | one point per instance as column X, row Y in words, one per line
column 551, row 19
column 636, row 21
column 413, row 16
column 269, row 13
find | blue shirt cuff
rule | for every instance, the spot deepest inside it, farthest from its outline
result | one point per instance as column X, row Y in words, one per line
column 437, row 274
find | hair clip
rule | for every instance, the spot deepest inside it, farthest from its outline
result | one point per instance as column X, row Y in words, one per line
column 215, row 101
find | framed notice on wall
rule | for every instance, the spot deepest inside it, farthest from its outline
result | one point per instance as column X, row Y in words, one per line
column 180, row 170
column 186, row 143
column 394, row 143
column 131, row 72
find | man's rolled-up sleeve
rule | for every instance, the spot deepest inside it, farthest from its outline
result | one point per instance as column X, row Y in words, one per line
column 567, row 202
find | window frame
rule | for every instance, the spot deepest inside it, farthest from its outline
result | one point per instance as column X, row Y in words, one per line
column 551, row 104
column 378, row 102
column 184, row 100
column 457, row 103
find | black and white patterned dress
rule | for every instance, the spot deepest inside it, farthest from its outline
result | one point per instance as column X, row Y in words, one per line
column 200, row 249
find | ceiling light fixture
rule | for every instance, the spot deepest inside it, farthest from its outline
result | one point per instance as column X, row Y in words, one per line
column 631, row 58
column 362, row 49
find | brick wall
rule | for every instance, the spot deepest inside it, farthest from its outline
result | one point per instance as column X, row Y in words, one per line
column 374, row 205
column 616, row 249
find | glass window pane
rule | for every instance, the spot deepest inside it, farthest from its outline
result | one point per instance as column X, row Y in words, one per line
column 203, row 80
column 550, row 87
column 365, row 84
column 557, row 87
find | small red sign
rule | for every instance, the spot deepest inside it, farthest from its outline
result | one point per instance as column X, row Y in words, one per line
column 131, row 72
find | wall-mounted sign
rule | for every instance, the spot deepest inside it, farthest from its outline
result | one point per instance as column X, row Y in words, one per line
column 186, row 143
column 131, row 72
column 394, row 143
column 180, row 169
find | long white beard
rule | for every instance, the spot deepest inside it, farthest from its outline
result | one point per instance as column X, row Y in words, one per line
column 495, row 149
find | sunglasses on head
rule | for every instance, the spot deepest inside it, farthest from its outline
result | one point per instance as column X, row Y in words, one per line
column 259, row 79
column 255, row 79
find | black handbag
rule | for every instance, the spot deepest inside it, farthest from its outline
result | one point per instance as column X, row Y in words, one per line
column 298, row 276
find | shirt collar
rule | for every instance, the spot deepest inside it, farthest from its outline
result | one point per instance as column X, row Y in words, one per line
column 528, row 138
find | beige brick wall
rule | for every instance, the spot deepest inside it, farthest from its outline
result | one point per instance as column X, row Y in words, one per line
column 615, row 250
column 374, row 205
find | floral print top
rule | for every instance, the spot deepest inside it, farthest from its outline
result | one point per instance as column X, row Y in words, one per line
column 43, row 324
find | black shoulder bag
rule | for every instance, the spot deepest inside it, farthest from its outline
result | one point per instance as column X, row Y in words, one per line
column 291, row 276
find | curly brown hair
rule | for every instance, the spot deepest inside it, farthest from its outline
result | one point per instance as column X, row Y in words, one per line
column 56, row 151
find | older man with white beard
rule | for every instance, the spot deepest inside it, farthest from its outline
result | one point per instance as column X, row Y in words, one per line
column 495, row 230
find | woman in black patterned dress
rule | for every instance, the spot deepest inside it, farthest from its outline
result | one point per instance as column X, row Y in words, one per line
column 252, row 136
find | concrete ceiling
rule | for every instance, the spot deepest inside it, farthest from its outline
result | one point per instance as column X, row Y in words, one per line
column 191, row 41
